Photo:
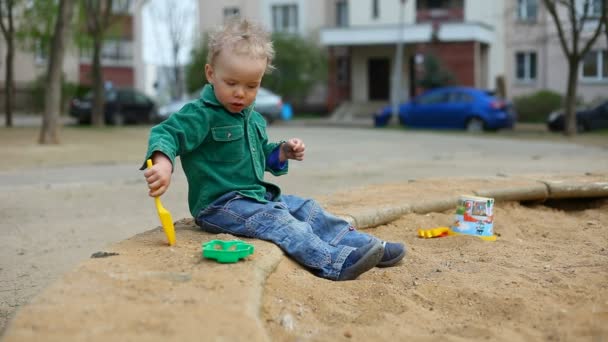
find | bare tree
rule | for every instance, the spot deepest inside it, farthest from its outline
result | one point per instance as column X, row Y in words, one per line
column 175, row 16
column 49, row 132
column 574, row 46
column 97, row 22
column 7, row 11
column 605, row 7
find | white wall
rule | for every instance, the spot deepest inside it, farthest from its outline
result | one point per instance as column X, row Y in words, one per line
column 491, row 13
column 552, row 68
column 211, row 12
column 266, row 15
column 311, row 13
column 360, row 12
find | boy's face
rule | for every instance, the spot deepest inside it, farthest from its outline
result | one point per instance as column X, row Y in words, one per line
column 236, row 79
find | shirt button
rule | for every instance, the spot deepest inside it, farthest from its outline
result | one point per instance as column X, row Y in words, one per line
column 253, row 149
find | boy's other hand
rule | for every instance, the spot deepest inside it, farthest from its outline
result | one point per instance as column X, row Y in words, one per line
column 292, row 149
column 159, row 175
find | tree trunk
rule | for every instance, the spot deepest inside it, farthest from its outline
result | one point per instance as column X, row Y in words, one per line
column 98, row 112
column 570, row 105
column 178, row 82
column 49, row 133
column 9, row 84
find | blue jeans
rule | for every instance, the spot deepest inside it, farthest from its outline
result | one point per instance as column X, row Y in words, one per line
column 300, row 227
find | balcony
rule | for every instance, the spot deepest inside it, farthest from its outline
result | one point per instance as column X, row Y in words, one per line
column 440, row 15
column 439, row 11
column 413, row 33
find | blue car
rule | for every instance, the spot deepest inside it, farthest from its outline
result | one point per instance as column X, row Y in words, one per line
column 465, row 108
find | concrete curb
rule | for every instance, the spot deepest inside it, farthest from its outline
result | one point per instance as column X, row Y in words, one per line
column 376, row 217
column 574, row 189
column 57, row 314
column 540, row 190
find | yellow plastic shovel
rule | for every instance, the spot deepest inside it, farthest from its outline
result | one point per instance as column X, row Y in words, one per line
column 164, row 215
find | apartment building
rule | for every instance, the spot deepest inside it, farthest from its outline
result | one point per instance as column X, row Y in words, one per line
column 29, row 66
column 301, row 17
column 477, row 41
column 121, row 51
column 121, row 58
column 466, row 37
column 361, row 37
column 535, row 59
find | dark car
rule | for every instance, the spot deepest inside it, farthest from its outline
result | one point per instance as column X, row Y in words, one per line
column 122, row 106
column 586, row 119
column 453, row 108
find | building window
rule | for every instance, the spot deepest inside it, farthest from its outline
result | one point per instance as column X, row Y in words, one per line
column 231, row 13
column 285, row 18
column 121, row 6
column 375, row 9
column 594, row 9
column 527, row 10
column 41, row 52
column 342, row 13
column 595, row 66
column 525, row 68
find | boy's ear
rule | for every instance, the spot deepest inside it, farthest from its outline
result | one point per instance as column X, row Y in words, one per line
column 209, row 73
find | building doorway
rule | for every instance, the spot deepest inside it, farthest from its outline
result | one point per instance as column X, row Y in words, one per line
column 378, row 75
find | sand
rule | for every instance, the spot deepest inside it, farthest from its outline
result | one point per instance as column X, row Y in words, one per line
column 545, row 278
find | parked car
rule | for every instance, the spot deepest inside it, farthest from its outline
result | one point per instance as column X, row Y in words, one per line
column 122, row 106
column 267, row 103
column 586, row 119
column 453, row 108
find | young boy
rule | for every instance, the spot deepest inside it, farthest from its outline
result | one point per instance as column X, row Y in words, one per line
column 224, row 151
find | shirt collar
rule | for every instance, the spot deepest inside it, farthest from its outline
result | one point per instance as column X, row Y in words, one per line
column 208, row 95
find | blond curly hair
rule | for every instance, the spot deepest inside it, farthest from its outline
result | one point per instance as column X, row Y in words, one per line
column 242, row 37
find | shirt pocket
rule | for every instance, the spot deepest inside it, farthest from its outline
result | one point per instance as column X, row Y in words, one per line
column 261, row 132
column 227, row 144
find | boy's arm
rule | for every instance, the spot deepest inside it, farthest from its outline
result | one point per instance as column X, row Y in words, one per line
column 158, row 176
column 271, row 152
column 292, row 149
column 273, row 161
column 180, row 133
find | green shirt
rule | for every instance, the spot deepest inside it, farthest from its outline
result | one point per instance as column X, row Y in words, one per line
column 220, row 151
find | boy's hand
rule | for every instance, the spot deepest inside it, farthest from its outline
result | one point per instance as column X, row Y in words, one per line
column 292, row 149
column 159, row 175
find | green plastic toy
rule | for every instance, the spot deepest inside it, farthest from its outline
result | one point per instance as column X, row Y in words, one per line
column 226, row 251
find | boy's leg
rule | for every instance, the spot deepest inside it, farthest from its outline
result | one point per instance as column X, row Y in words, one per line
column 328, row 227
column 272, row 221
column 335, row 230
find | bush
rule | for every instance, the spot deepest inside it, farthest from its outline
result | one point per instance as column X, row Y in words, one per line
column 195, row 70
column 537, row 106
column 435, row 75
column 300, row 64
